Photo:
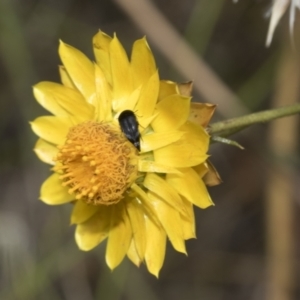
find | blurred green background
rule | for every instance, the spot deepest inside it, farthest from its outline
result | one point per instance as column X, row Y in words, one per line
column 247, row 246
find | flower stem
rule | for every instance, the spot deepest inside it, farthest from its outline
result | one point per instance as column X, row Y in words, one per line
column 230, row 126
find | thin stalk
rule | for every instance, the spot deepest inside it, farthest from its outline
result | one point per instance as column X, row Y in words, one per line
column 230, row 126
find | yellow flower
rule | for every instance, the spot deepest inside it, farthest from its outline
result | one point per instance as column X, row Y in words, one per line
column 134, row 199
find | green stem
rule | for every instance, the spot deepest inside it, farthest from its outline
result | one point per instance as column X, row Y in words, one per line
column 228, row 127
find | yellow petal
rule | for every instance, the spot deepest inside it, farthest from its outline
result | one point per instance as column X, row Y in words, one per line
column 201, row 169
column 148, row 98
column 121, row 76
column 65, row 78
column 130, row 102
column 62, row 101
column 189, row 151
column 142, row 62
column 146, row 123
column 119, row 238
column 152, row 166
column 95, row 230
column 133, row 255
column 80, row 69
column 179, row 155
column 48, row 101
column 45, row 151
column 52, row 129
column 171, row 221
column 104, row 97
column 101, row 42
column 157, row 140
column 53, row 193
column 191, row 186
column 82, row 211
column 201, row 113
column 196, row 135
column 173, row 112
column 137, row 221
column 156, row 247
column 167, row 88
column 188, row 222
column 158, row 185
column 143, row 198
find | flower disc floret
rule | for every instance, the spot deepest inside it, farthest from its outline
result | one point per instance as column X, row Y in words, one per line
column 96, row 163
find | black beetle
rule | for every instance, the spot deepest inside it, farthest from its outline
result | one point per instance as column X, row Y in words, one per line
column 130, row 127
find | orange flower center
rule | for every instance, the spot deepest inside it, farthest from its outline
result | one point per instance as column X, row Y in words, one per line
column 97, row 162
